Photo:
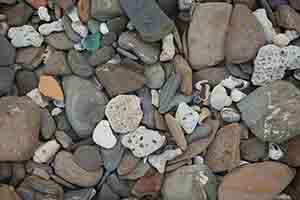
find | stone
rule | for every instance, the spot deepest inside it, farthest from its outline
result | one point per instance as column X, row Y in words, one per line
column 236, row 95
column 103, row 28
column 18, row 174
column 168, row 48
column 118, row 186
column 138, row 172
column 187, row 118
column 8, row 2
column 19, row 136
column 67, row 169
column 65, row 4
column 5, row 171
column 71, row 34
column 79, row 28
column 230, row 115
column 64, row 139
column 48, row 28
column 155, row 98
column 288, row 18
column 103, row 135
column 112, row 157
column 169, row 8
column 118, row 24
column 43, row 14
column 48, row 126
column 46, row 151
column 88, row 158
column 291, row 154
column 79, row 65
column 158, row 24
column 159, row 161
column 56, row 64
column 128, row 163
column 150, row 184
column 37, row 98
column 245, row 36
column 50, row 87
column 176, row 131
column 18, row 15
column 270, row 112
column 142, row 142
column 83, row 97
column 147, row 52
column 7, row 76
column 37, row 3
column 183, row 68
column 101, row 56
column 8, row 193
column 155, row 76
column 185, row 4
column 25, row 36
column 109, row 38
column 269, row 31
column 92, row 42
column 275, row 152
column 105, row 9
column 269, row 178
column 106, row 193
column 30, row 57
column 295, row 4
column 214, row 75
column 190, row 182
column 59, row 41
column 283, row 39
column 219, row 98
column 253, row 150
column 41, row 173
column 146, row 104
column 25, row 81
column 204, row 114
column 84, row 10
column 83, row 194
column 56, row 111
column 206, row 45
column 8, row 52
column 200, row 132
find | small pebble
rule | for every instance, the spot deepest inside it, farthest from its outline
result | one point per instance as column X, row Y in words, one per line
column 204, row 114
column 73, row 14
column 155, row 98
column 103, row 28
column 230, row 115
column 37, row 98
column 232, row 82
column 168, row 48
column 43, row 14
column 48, row 28
column 219, row 98
column 237, row 95
column 103, row 135
column 50, row 87
column 275, row 152
column 64, row 139
column 296, row 74
column 184, row 5
column 46, row 151
column 187, row 117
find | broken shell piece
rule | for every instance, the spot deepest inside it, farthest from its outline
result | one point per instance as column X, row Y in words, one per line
column 79, row 28
column 155, row 98
column 275, row 153
column 142, row 142
column 168, row 48
column 37, row 98
column 103, row 28
column 25, row 36
column 56, row 26
column 46, row 151
column 187, row 117
column 160, row 161
column 43, row 14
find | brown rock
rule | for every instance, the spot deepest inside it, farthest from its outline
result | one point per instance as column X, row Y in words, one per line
column 30, row 57
column 288, row 18
column 224, row 152
column 294, row 187
column 84, row 10
column 149, row 184
column 128, row 163
column 176, row 131
column 37, row 3
column 292, row 157
column 295, row 4
column 50, row 87
column 8, row 193
column 183, row 68
column 256, row 182
column 245, row 36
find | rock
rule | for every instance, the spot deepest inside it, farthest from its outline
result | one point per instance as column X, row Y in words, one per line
column 120, row 187
column 187, row 117
column 25, row 81
column 8, row 193
column 101, row 56
column 160, row 161
column 48, row 28
column 83, row 194
column 128, row 163
column 168, row 7
column 103, row 28
column 149, row 184
column 7, row 76
column 66, row 168
column 214, row 75
column 269, row 178
column 8, row 2
column 155, row 98
column 124, row 113
column 37, row 3
column 269, row 31
column 155, row 76
column 206, row 45
column 231, row 83
column 79, row 28
column 48, row 125
column 82, row 97
column 113, row 79
column 59, row 41
column 282, row 40
column 65, row 4
column 46, row 151
column 30, row 57
column 37, row 98
column 112, row 157
column 230, row 115
column 147, row 52
column 106, row 193
column 43, row 14
column 287, row 18
column 88, row 158
column 158, row 24
column 185, row 4
column 109, row 38
column 56, row 64
column 183, row 68
column 190, row 182
column 5, row 171
column 200, row 132
column 275, row 152
column 18, row 174
column 79, row 65
column 50, row 87
column 292, row 152
column 295, row 4
column 67, row 26
column 219, row 98
column 103, row 135
column 18, row 15
column 21, row 134
column 245, row 35
column 139, row 171
column 8, row 52
column 64, row 139
column 25, row 36
column 38, row 188
column 148, row 110
column 84, row 10
column 252, row 4
column 266, row 111
column 168, row 48
column 253, row 150
column 105, row 9
column 238, row 70
column 236, row 95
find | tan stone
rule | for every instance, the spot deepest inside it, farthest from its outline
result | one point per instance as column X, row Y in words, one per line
column 176, row 131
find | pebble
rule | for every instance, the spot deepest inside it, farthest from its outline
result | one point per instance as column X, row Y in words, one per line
column 176, row 131
column 41, row 173
column 185, row 4
column 219, row 98
column 59, row 41
column 3, row 28
column 48, row 126
column 291, row 152
column 37, row 98
column 155, row 76
column 69, row 31
column 142, row 142
column 160, row 161
column 187, row 117
column 230, row 115
column 103, row 28
column 168, row 48
column 105, row 9
column 128, row 163
column 231, row 82
column 101, row 56
column 7, row 77
column 84, row 10
column 253, row 149
column 48, row 28
column 145, row 96
column 147, row 52
column 200, row 132
column 25, row 36
column 214, row 75
column 37, row 3
column 79, row 65
column 81, row 95
column 79, row 28
column 283, row 39
column 183, row 68
column 275, row 152
column 236, row 95
column 18, row 14
column 56, row 111
column 139, row 171
column 49, row 87
column 43, row 14
column 46, row 151
column 118, row 186
column 103, row 135
column 155, row 98
column 269, row 31
column 109, row 38
column 204, row 114
column 88, row 157
column 64, row 139
column 83, row 194
column 30, row 57
column 25, row 81
column 106, row 193
column 295, row 4
column 65, row 4
column 158, row 26
column 8, row 52
column 117, row 25
column 287, row 18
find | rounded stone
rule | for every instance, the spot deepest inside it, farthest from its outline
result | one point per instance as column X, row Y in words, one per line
column 7, row 76
column 103, row 135
column 88, row 157
column 155, row 76
column 7, row 52
column 79, row 64
column 26, row 81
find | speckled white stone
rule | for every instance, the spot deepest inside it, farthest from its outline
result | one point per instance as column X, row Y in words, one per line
column 46, row 151
column 48, row 28
column 219, row 98
column 25, row 36
column 168, row 48
column 103, row 135
column 187, row 117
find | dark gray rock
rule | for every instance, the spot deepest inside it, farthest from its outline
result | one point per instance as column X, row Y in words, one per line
column 199, row 133
column 147, row 107
column 109, row 38
column 169, row 7
column 88, row 157
column 5, row 171
column 26, row 81
column 112, row 157
column 48, row 126
column 253, row 150
column 101, row 56
column 107, row 194
column 214, row 75
column 237, row 70
column 118, row 24
column 64, row 139
column 7, row 77
column 7, row 52
column 105, row 9
column 119, row 186
column 18, row 173
column 62, row 122
column 18, row 15
column 59, row 41
column 56, row 64
column 30, row 57
column 78, row 63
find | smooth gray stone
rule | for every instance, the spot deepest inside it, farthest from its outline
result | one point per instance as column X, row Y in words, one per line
column 112, row 157
column 105, row 9
column 253, row 149
column 7, row 77
column 18, row 15
column 106, row 193
column 199, row 133
column 119, row 186
column 18, row 173
column 88, row 157
column 7, row 52
column 26, row 81
column 48, row 126
column 101, row 56
column 79, row 64
column 5, row 171
column 72, row 35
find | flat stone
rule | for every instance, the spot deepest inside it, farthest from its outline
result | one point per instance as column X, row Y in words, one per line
column 200, row 132
column 56, row 64
column 295, row 4
column 7, row 76
column 88, row 158
column 145, row 96
column 21, row 134
column 112, row 157
column 230, row 115
column 245, row 35
column 256, row 181
column 288, row 18
column 176, row 131
column 113, row 79
column 207, row 33
column 83, row 194
column 18, row 15
column 128, row 163
column 253, row 150
column 214, row 75
column 48, row 125
column 8, row 193
column 266, row 111
column 25, row 81
column 187, row 117
column 65, row 4
column 5, row 171
column 37, row 98
column 292, row 151
column 105, row 9
column 155, row 76
column 64, row 139
column 83, row 97
column 71, row 34
column 101, row 56
column 103, row 135
column 84, row 9
column 139, row 171
column 219, row 98
column 30, row 57
column 8, row 52
column 79, row 65
column 59, row 41
column 117, row 25
column 158, row 24
column 269, row 31
column 183, row 68
column 66, row 168
column 50, row 87
column 51, row 27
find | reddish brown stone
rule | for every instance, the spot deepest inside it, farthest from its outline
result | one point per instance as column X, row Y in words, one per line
column 37, row 3
column 292, row 157
column 84, row 10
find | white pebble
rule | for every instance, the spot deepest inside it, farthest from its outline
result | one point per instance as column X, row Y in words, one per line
column 56, row 111
column 198, row 160
column 130, row 26
column 103, row 135
column 80, row 28
column 46, row 151
column 232, row 82
column 25, row 36
column 237, row 95
column 187, row 117
column 168, row 48
column 283, row 39
column 103, row 28
column 155, row 98
column 48, row 28
column 43, row 14
column 219, row 98
column 275, row 153
column 37, row 98
column 204, row 114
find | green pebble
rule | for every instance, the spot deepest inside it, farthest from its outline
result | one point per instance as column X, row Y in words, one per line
column 92, row 42
column 93, row 26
